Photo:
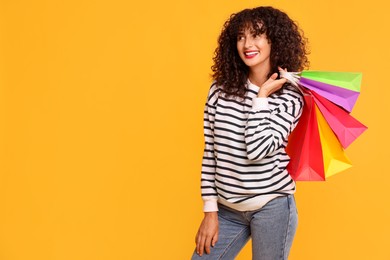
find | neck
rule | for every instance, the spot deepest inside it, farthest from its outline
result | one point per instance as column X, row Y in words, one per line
column 259, row 75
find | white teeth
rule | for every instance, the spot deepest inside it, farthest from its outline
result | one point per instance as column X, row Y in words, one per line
column 251, row 53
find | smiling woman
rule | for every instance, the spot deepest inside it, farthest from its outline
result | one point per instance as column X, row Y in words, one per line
column 288, row 47
column 254, row 49
column 249, row 114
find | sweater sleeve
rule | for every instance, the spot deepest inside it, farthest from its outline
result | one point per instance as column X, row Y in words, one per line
column 266, row 130
column 209, row 192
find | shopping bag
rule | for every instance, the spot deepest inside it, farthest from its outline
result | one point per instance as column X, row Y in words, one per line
column 343, row 97
column 304, row 146
column 327, row 94
column 345, row 127
column 334, row 157
column 347, row 80
column 342, row 88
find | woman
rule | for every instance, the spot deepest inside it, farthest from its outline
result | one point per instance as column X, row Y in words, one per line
column 249, row 114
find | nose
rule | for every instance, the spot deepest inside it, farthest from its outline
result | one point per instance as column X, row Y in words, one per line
column 248, row 42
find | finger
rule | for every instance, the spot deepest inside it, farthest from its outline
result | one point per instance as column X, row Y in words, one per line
column 207, row 245
column 214, row 240
column 200, row 246
column 274, row 76
column 276, row 84
column 196, row 237
column 271, row 79
column 197, row 242
column 282, row 81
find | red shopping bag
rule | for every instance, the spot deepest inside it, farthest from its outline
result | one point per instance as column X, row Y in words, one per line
column 304, row 146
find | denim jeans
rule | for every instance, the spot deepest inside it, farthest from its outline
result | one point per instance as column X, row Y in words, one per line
column 272, row 229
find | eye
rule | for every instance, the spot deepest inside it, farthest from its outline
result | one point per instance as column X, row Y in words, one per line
column 240, row 37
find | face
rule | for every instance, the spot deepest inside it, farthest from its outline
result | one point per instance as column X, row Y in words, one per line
column 254, row 50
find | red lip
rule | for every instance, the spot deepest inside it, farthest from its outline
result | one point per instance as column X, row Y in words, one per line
column 254, row 53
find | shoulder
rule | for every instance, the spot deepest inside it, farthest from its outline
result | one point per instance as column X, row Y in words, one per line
column 213, row 94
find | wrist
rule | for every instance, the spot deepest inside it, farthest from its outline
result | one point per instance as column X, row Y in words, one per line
column 262, row 94
column 211, row 214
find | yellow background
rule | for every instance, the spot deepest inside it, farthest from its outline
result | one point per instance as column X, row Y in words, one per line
column 101, row 107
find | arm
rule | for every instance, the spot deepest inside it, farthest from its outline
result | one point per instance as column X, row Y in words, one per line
column 207, row 234
column 266, row 132
column 209, row 192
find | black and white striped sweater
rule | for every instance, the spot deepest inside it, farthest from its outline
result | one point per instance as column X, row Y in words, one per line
column 244, row 162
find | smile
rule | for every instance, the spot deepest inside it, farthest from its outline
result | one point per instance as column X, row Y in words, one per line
column 250, row 54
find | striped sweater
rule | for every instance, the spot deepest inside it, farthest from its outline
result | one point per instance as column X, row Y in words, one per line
column 244, row 162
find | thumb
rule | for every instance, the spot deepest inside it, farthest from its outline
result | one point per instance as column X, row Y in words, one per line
column 272, row 78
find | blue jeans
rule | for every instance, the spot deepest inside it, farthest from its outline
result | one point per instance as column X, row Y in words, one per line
column 272, row 229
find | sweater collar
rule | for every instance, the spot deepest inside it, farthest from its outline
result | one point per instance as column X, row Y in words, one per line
column 252, row 86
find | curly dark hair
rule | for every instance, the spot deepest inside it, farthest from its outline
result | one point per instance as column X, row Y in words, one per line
column 288, row 47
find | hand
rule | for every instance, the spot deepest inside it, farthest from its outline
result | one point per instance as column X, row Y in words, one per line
column 208, row 233
column 271, row 85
